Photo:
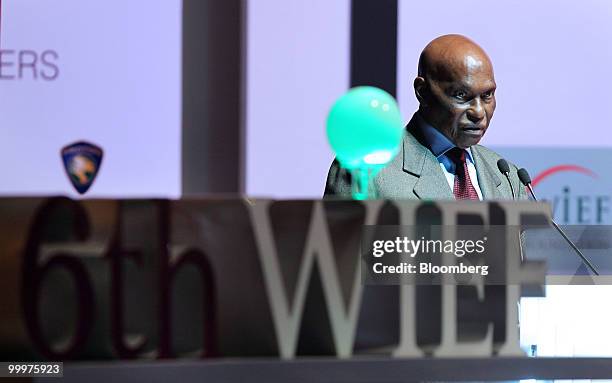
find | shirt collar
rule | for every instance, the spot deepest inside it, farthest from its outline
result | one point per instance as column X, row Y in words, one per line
column 438, row 143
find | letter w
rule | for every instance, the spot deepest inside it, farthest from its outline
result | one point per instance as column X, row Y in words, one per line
column 318, row 247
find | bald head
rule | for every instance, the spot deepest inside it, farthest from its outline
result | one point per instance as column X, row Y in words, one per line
column 450, row 56
column 455, row 87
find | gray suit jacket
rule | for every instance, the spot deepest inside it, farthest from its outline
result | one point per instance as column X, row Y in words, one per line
column 415, row 173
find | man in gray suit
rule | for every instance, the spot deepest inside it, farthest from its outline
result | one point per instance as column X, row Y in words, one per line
column 439, row 157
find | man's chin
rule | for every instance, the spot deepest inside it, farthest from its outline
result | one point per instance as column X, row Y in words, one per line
column 465, row 141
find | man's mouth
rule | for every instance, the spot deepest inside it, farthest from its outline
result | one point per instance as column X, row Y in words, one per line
column 472, row 130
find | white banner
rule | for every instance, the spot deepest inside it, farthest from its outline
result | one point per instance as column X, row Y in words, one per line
column 103, row 71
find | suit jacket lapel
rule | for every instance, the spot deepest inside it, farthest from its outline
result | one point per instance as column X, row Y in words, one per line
column 420, row 162
column 431, row 182
column 488, row 178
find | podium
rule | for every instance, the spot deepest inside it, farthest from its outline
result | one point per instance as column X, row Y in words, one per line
column 98, row 280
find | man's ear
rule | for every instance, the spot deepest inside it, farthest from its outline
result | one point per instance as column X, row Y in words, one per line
column 420, row 89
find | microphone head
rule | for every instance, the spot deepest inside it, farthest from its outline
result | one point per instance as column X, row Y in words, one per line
column 524, row 176
column 503, row 166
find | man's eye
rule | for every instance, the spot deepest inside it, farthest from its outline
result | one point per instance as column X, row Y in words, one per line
column 487, row 95
column 460, row 95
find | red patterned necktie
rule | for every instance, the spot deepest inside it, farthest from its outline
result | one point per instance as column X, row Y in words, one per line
column 463, row 188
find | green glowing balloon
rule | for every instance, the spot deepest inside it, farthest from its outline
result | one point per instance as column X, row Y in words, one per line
column 364, row 128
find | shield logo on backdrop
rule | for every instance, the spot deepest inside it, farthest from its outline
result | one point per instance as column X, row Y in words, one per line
column 82, row 161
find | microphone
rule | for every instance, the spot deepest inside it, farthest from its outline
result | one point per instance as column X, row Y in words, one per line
column 504, row 168
column 526, row 180
column 523, row 175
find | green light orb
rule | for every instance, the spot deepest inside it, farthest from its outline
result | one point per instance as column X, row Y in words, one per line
column 364, row 128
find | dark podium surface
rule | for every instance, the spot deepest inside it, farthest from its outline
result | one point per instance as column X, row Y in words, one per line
column 128, row 280
column 358, row 369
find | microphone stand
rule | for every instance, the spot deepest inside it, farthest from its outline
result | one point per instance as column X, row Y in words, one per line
column 569, row 241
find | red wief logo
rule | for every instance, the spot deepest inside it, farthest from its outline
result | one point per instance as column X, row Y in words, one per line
column 562, row 168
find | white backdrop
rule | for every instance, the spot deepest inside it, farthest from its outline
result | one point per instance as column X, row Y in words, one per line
column 552, row 60
column 117, row 84
column 297, row 65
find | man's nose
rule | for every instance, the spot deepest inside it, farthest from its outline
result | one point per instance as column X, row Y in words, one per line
column 476, row 111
